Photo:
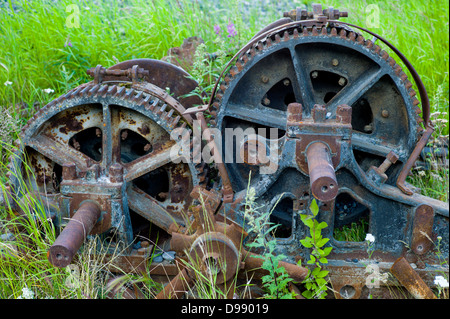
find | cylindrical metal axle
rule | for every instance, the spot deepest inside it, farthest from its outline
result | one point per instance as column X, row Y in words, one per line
column 74, row 234
column 322, row 177
column 409, row 278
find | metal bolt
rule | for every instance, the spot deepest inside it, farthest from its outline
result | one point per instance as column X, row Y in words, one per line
column 116, row 173
column 286, row 82
column 335, row 62
column 315, row 74
column 368, row 128
column 124, row 135
column 265, row 101
column 98, row 132
column 264, row 79
column 391, row 158
column 69, row 171
column 341, row 81
column 76, row 145
column 147, row 147
column 385, row 113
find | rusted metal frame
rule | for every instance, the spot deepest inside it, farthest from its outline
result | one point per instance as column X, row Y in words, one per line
column 218, row 160
column 108, row 193
column 348, row 276
column 393, row 193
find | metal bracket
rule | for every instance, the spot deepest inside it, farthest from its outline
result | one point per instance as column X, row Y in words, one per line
column 134, row 73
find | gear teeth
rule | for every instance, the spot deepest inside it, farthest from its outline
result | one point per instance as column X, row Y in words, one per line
column 376, row 49
column 121, row 91
column 403, row 76
column 315, row 31
column 74, row 92
column 384, row 55
column 295, row 34
column 260, row 46
column 352, row 36
column 286, row 36
column 343, row 34
column 417, row 110
column 234, row 71
column 102, row 91
column 94, row 90
column 112, row 90
column 277, row 38
column 144, row 101
column 334, row 32
column 408, row 84
column 240, row 66
column 397, row 69
column 369, row 44
column 175, row 121
column 305, row 32
column 360, row 39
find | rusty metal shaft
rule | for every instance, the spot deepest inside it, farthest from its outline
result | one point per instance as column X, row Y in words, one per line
column 409, row 278
column 322, row 177
column 74, row 234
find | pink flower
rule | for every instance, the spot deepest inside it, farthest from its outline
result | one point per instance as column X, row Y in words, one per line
column 231, row 29
column 217, row 29
column 68, row 43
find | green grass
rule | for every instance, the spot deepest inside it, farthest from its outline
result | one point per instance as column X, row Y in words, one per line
column 34, row 57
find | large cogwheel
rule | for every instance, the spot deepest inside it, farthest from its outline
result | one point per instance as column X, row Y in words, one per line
column 110, row 144
column 327, row 66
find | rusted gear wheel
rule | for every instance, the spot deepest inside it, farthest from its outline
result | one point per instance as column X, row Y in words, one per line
column 311, row 84
column 111, row 145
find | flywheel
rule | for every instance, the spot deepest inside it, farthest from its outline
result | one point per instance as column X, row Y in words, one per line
column 106, row 150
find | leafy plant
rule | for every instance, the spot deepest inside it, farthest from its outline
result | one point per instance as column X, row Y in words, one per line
column 315, row 282
column 277, row 280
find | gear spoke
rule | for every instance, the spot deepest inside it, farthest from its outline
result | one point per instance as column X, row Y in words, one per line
column 259, row 115
column 151, row 162
column 107, row 139
column 303, row 87
column 351, row 93
column 149, row 208
column 58, row 152
column 372, row 145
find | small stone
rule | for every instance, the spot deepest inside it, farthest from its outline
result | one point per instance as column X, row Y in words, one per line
column 169, row 255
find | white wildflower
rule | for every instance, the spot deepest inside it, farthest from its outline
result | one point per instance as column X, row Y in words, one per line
column 435, row 114
column 441, row 282
column 422, row 173
column 8, row 83
column 26, row 293
column 48, row 91
column 370, row 238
